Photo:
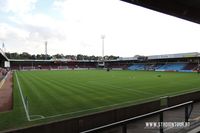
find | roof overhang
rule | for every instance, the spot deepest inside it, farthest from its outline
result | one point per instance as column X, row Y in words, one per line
column 3, row 57
column 32, row 60
column 185, row 9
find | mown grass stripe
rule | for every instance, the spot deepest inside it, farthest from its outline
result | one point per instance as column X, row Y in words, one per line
column 22, row 97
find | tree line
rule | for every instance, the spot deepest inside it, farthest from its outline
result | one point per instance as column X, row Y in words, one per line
column 25, row 55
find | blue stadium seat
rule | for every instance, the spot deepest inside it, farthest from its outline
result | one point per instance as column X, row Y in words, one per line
column 172, row 67
column 137, row 67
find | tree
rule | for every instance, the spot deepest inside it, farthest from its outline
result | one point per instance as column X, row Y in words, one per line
column 80, row 57
column 13, row 55
column 58, row 56
column 26, row 55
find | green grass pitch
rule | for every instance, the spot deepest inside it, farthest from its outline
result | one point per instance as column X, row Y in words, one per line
column 55, row 95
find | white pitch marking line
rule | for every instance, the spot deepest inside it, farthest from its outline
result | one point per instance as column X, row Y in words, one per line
column 23, row 101
column 39, row 117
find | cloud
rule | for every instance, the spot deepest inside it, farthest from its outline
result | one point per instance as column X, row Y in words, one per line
column 44, row 25
column 76, row 26
column 18, row 6
column 40, row 26
column 59, row 4
column 9, row 32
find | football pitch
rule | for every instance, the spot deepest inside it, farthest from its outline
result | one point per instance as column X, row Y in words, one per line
column 43, row 96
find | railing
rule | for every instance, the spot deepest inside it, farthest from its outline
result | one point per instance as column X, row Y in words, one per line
column 123, row 123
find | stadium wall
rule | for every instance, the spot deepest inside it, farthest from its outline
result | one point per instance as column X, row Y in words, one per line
column 77, row 125
column 192, row 96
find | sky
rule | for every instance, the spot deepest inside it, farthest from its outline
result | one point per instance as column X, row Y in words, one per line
column 74, row 27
